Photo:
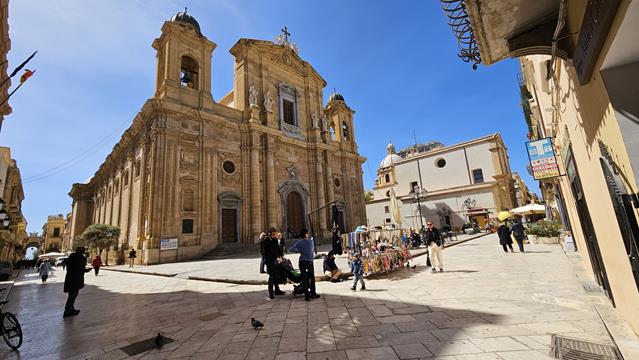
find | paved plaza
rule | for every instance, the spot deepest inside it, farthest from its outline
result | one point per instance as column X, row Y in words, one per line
column 487, row 305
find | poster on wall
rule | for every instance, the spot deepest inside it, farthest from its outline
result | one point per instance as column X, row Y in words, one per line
column 543, row 162
column 168, row 244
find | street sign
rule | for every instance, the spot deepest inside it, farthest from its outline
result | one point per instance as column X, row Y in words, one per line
column 168, row 244
column 542, row 159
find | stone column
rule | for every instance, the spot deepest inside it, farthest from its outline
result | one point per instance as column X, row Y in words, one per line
column 256, row 206
column 270, row 186
column 320, row 195
column 329, row 178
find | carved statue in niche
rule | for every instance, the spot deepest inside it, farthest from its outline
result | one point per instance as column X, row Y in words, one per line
column 268, row 101
column 252, row 96
column 316, row 120
column 324, row 123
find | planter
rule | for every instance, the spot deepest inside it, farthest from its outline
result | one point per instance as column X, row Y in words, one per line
column 532, row 239
column 548, row 240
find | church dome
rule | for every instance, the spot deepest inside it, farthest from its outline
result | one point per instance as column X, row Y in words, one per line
column 184, row 18
column 336, row 96
column 390, row 160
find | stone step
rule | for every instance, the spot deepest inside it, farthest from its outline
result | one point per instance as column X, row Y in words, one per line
column 234, row 249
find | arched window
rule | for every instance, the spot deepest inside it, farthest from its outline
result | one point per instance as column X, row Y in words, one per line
column 136, row 168
column 189, row 72
column 345, row 131
column 187, row 199
column 125, row 178
column 387, row 178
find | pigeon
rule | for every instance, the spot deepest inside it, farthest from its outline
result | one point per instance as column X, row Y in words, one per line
column 256, row 323
column 159, row 340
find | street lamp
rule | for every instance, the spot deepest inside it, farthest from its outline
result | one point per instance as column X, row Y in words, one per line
column 417, row 193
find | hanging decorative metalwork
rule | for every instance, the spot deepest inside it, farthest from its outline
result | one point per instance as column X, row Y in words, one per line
column 460, row 23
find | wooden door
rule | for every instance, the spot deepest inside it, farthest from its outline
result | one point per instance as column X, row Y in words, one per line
column 294, row 213
column 229, row 225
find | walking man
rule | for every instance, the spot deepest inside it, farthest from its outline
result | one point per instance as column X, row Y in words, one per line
column 74, row 280
column 132, row 256
column 433, row 240
column 44, row 270
column 305, row 247
column 519, row 234
column 272, row 253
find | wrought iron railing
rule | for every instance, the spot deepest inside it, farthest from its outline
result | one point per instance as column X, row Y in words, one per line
column 460, row 23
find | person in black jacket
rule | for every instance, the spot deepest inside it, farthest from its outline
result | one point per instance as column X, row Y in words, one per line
column 504, row 237
column 272, row 253
column 74, row 279
column 433, row 240
column 519, row 234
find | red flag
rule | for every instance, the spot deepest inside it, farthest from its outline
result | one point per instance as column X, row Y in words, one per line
column 27, row 74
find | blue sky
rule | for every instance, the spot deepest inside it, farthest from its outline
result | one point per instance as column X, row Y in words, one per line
column 395, row 62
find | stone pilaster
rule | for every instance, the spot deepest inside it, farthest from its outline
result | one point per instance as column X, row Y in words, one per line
column 319, row 176
column 256, row 198
column 270, row 186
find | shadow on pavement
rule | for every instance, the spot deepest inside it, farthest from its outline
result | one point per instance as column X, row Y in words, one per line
column 213, row 321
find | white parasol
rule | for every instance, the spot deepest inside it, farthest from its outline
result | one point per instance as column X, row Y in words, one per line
column 529, row 209
column 394, row 208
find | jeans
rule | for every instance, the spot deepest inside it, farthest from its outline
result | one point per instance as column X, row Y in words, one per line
column 308, row 277
column 96, row 269
column 131, row 261
column 507, row 246
column 262, row 265
column 270, row 269
column 44, row 278
column 520, row 243
column 70, row 306
column 359, row 278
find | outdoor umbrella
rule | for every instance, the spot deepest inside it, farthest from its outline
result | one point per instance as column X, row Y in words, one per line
column 394, row 208
column 503, row 215
column 529, row 209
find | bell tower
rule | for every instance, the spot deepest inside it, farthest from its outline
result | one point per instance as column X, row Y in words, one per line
column 184, row 62
column 340, row 121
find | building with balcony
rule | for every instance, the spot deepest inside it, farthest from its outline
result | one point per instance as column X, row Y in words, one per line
column 580, row 69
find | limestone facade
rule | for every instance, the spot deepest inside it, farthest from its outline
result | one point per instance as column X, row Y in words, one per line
column 5, row 46
column 469, row 181
column 53, row 233
column 206, row 172
column 12, row 195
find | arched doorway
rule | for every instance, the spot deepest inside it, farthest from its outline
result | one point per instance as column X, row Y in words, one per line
column 229, row 208
column 294, row 213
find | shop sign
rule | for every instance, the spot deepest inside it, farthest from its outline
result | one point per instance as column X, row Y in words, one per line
column 592, row 35
column 168, row 244
column 542, row 159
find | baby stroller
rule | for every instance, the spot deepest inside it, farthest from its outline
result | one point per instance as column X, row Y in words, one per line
column 288, row 273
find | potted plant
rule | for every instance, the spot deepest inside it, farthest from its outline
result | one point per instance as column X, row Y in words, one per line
column 544, row 232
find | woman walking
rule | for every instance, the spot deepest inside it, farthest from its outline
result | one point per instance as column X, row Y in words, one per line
column 504, row 237
column 96, row 263
column 43, row 270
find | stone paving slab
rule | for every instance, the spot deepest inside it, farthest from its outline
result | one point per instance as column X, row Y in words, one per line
column 481, row 308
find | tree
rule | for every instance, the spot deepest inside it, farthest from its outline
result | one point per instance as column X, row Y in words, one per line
column 101, row 236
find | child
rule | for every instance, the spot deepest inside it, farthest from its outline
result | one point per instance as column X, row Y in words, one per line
column 357, row 268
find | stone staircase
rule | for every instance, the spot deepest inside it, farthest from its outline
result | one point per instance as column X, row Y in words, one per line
column 237, row 250
column 232, row 250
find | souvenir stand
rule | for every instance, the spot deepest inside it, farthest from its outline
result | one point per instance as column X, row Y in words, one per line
column 381, row 250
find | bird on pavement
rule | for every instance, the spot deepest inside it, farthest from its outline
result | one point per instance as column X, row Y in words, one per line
column 159, row 340
column 256, row 323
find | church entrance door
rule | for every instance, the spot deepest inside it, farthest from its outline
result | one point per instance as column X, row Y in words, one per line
column 294, row 213
column 229, row 225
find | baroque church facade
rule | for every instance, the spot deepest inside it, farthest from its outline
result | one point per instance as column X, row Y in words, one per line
column 191, row 173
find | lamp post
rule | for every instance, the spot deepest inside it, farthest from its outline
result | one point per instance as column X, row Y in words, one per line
column 417, row 193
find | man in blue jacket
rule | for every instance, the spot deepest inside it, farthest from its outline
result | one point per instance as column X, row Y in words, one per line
column 306, row 248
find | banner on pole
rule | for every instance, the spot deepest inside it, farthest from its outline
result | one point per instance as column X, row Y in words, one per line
column 543, row 162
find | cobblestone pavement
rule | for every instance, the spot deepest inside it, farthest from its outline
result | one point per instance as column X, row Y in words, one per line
column 487, row 305
column 243, row 268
